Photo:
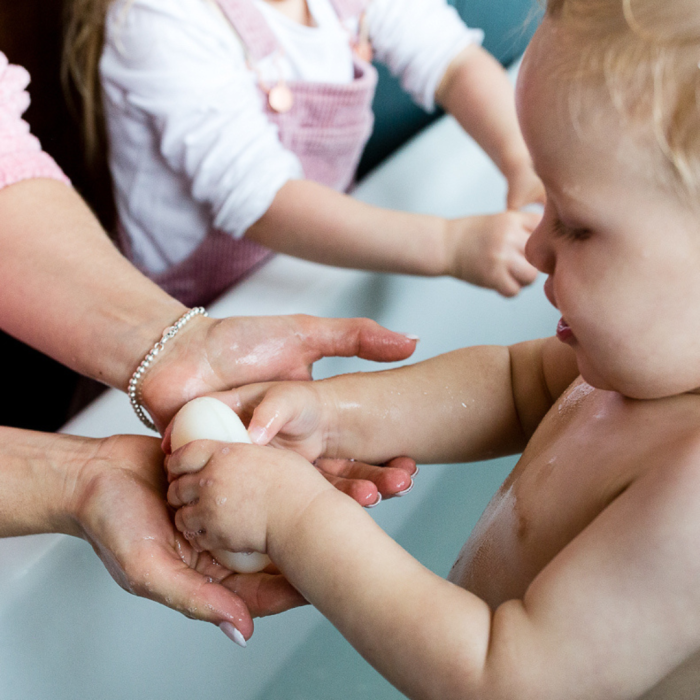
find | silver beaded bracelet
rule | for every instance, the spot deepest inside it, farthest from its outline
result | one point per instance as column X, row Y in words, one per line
column 134, row 391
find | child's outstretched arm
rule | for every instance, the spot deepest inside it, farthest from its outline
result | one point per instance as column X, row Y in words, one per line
column 476, row 91
column 314, row 222
column 470, row 404
column 608, row 617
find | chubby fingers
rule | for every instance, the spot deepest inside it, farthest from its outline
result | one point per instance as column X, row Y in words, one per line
column 518, row 272
column 192, row 457
column 284, row 406
column 269, row 407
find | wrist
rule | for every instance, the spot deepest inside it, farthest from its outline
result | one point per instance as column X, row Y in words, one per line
column 41, row 475
column 180, row 372
column 293, row 519
column 514, row 160
column 452, row 246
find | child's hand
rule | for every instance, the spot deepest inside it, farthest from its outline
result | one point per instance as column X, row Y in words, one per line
column 226, row 493
column 290, row 415
column 296, row 416
column 489, row 251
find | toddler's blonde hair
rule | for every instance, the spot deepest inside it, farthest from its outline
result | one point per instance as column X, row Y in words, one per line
column 647, row 53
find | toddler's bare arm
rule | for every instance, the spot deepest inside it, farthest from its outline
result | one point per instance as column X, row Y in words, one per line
column 611, row 615
column 470, row 404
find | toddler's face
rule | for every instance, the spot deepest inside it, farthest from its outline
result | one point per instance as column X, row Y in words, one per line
column 622, row 253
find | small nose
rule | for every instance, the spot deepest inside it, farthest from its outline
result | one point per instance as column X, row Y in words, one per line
column 538, row 249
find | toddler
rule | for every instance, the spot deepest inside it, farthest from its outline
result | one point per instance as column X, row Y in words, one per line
column 235, row 128
column 581, row 580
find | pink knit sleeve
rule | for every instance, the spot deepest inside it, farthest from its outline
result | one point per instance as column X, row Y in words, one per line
column 21, row 157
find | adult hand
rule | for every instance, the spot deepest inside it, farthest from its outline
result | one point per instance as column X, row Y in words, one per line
column 369, row 484
column 215, row 355
column 118, row 503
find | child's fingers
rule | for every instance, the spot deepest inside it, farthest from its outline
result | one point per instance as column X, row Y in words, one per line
column 284, row 406
column 192, row 457
column 184, row 491
column 522, row 271
column 189, row 521
column 244, row 399
column 531, row 220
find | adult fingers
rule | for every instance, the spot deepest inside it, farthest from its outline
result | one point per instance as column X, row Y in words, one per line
column 363, row 492
column 264, row 593
column 347, row 337
column 390, row 480
column 170, row 581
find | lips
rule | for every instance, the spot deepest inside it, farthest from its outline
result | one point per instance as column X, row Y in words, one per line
column 564, row 333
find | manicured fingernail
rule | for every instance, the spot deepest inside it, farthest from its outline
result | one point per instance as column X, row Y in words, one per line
column 257, row 434
column 405, row 491
column 376, row 503
column 233, row 634
column 410, row 336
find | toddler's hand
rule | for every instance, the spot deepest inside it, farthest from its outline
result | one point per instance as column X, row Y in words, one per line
column 228, row 495
column 489, row 251
column 295, row 416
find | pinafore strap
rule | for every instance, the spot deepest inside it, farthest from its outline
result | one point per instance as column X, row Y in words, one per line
column 256, row 35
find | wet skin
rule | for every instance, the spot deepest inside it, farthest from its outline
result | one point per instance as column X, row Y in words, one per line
column 585, row 454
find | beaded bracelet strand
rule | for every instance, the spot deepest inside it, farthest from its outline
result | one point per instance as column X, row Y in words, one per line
column 134, row 391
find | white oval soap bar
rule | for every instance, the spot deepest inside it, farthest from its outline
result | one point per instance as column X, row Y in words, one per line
column 207, row 418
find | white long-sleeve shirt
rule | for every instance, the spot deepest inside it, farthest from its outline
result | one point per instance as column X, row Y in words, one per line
column 190, row 145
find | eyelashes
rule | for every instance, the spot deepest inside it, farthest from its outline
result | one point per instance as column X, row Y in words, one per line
column 573, row 234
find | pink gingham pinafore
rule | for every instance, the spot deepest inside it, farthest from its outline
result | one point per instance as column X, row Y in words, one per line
column 326, row 128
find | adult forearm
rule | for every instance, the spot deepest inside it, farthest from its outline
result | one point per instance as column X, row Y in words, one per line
column 314, row 222
column 38, row 473
column 67, row 291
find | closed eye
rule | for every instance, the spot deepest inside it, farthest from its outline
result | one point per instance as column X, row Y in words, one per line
column 572, row 233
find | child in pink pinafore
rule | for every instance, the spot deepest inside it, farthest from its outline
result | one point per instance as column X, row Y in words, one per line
column 235, row 128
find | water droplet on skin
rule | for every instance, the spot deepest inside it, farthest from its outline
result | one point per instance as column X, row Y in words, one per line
column 464, row 404
column 221, row 501
column 210, row 579
column 225, row 450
